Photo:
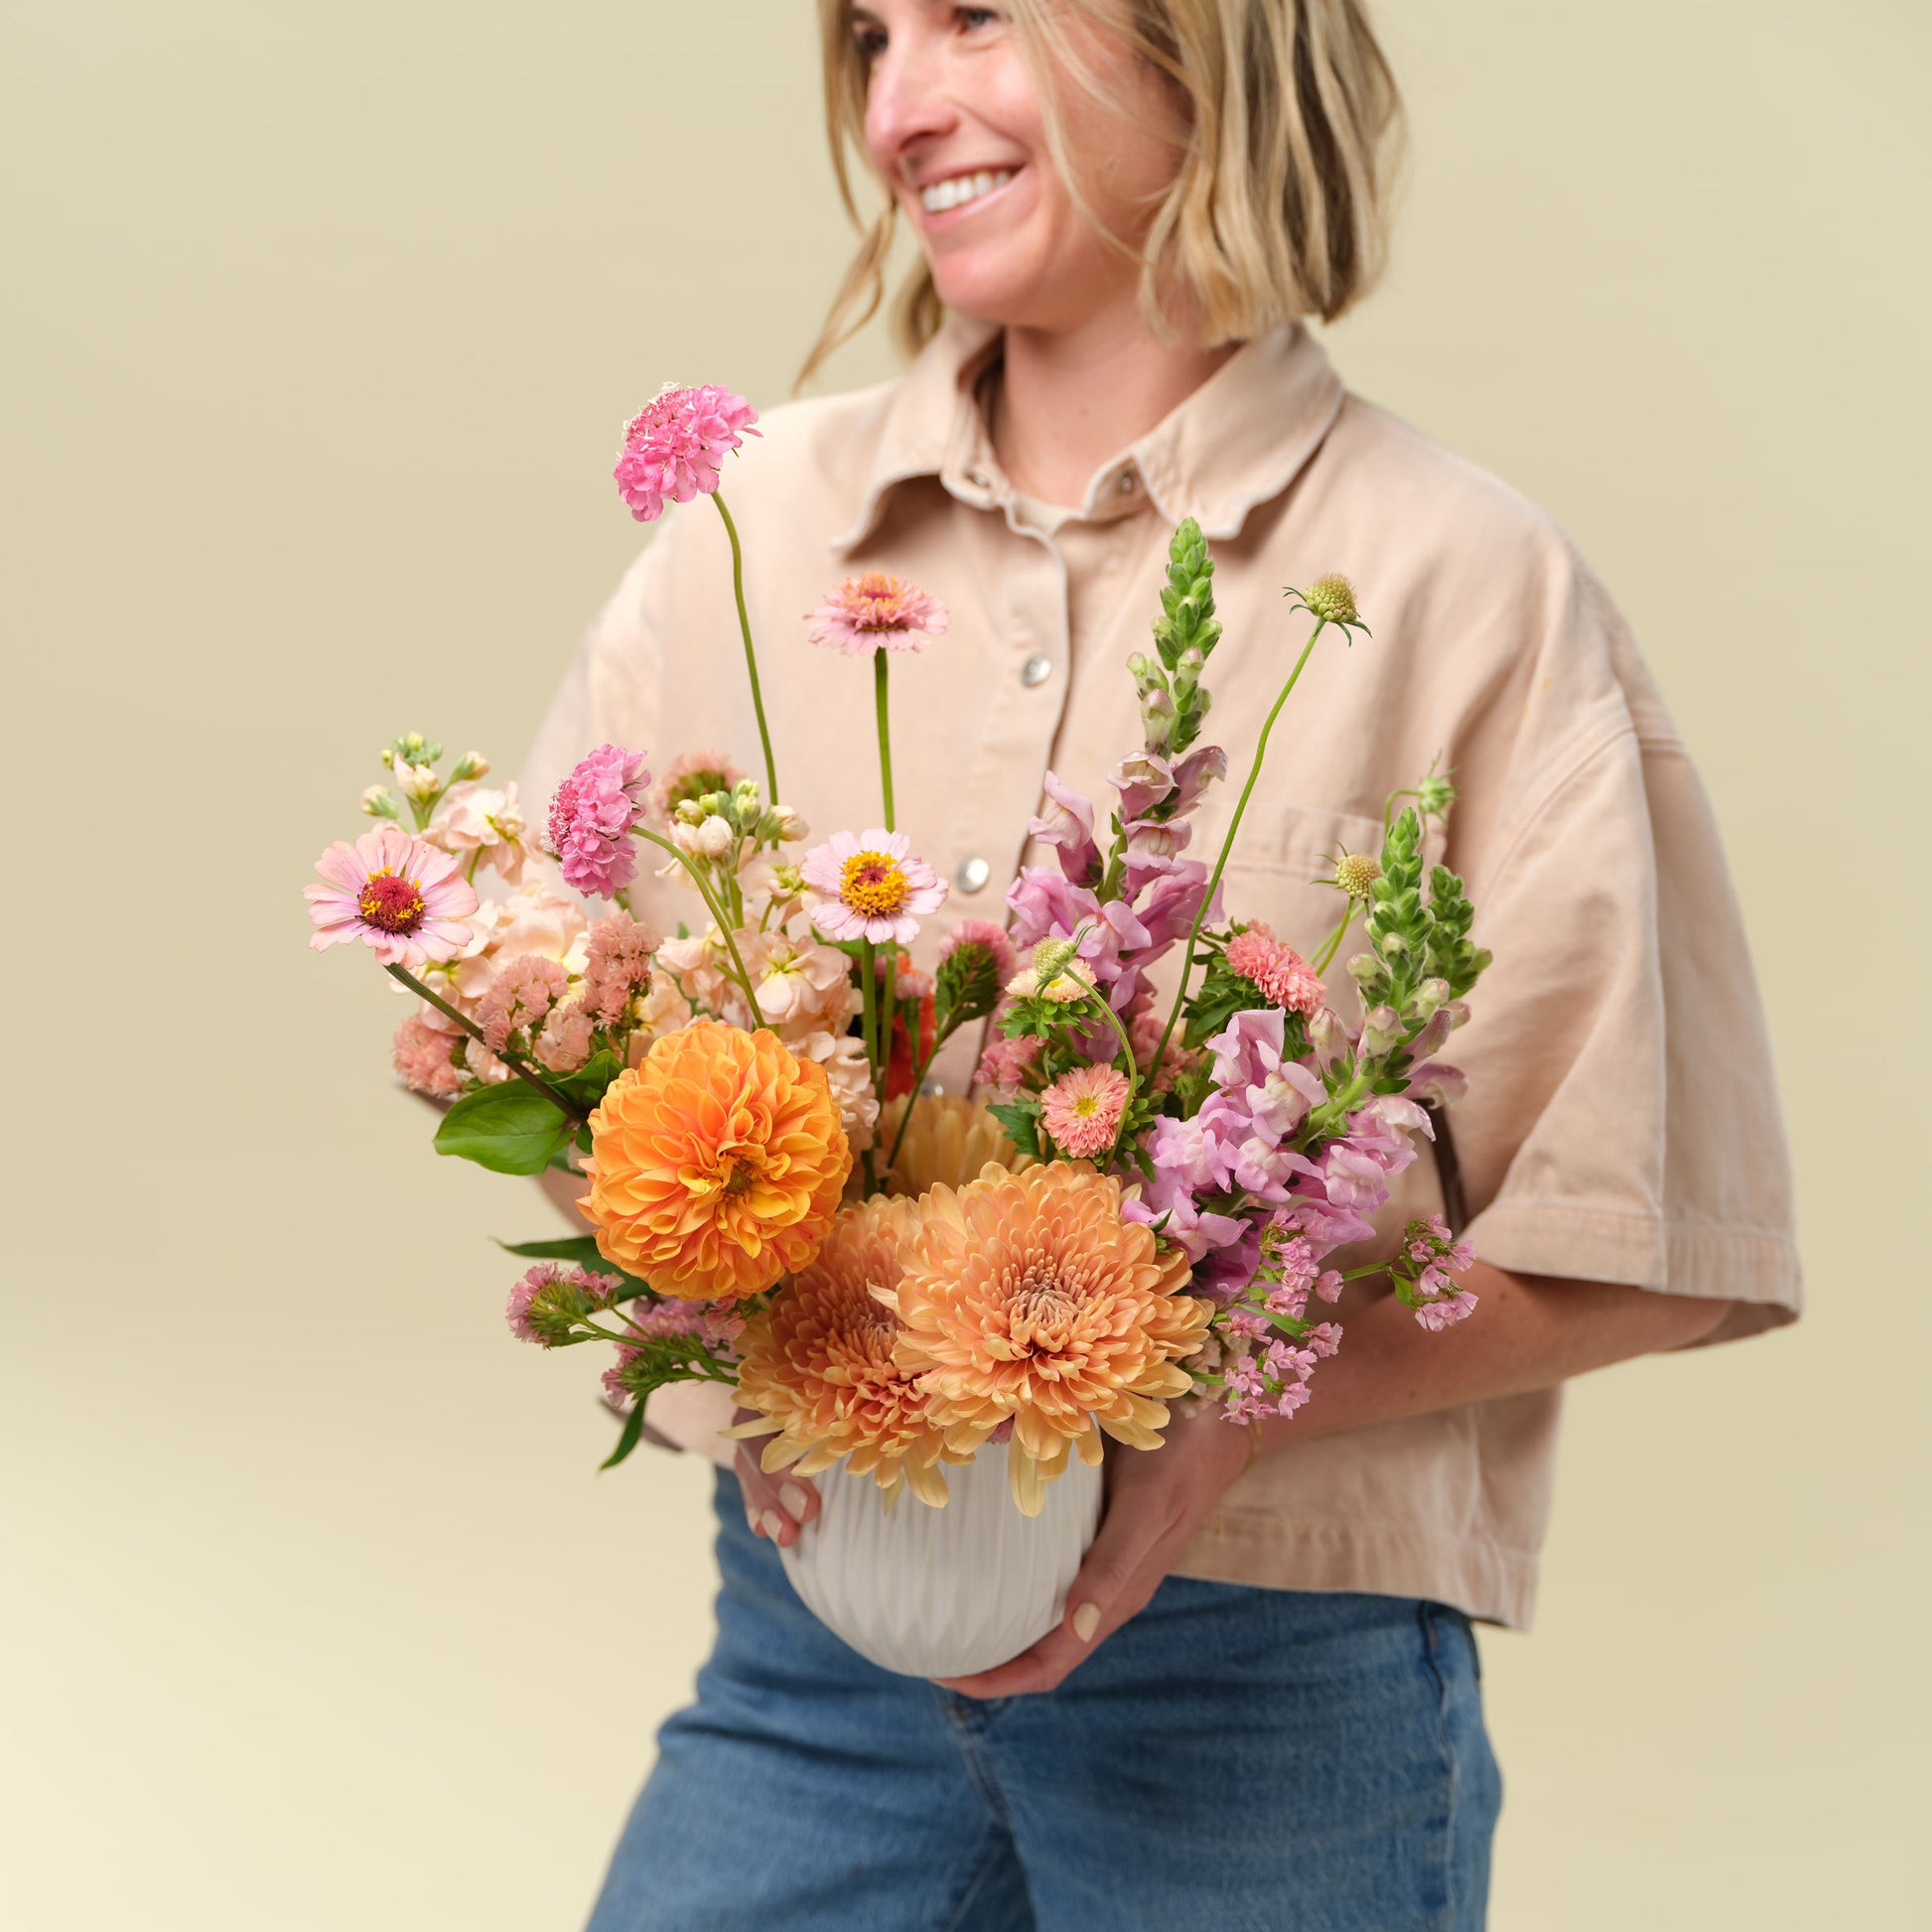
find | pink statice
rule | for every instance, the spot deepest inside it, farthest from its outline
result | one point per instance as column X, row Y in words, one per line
column 983, row 933
column 715, row 1326
column 874, row 613
column 1082, row 1110
column 422, row 1057
column 1005, row 1064
column 870, row 886
column 550, row 1296
column 689, row 776
column 673, row 447
column 402, row 898
column 617, row 968
column 1285, row 977
column 590, row 817
column 1424, row 1273
column 567, row 1039
column 520, row 998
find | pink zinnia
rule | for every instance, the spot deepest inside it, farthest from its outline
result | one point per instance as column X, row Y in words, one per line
column 877, row 612
column 870, row 886
column 1286, row 979
column 1082, row 1110
column 591, row 818
column 673, row 448
column 983, row 932
column 404, row 899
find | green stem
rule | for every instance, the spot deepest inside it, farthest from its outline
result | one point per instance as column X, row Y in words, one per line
column 718, row 914
column 888, row 1001
column 879, row 676
column 750, row 651
column 1227, row 845
column 1332, row 944
column 532, row 1080
column 1132, row 1074
column 869, row 1005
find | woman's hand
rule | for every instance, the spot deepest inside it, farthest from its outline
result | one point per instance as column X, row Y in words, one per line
column 778, row 1506
column 1156, row 1500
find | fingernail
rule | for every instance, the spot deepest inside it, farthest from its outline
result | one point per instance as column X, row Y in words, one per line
column 752, row 1522
column 795, row 1499
column 1086, row 1620
column 771, row 1523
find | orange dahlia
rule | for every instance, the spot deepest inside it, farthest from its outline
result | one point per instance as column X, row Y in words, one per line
column 1026, row 1296
column 818, row 1364
column 715, row 1163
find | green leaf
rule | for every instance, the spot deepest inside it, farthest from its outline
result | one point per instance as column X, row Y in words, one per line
column 1021, row 1119
column 585, row 1086
column 507, row 1129
column 632, row 1433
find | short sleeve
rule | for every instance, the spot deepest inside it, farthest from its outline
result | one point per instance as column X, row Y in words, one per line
column 1622, row 1122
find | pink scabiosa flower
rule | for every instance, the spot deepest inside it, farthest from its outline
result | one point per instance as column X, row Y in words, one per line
column 689, row 776
column 590, row 817
column 404, row 899
column 869, row 885
column 422, row 1057
column 674, row 445
column 877, row 612
column 983, row 932
column 1285, row 977
column 1082, row 1110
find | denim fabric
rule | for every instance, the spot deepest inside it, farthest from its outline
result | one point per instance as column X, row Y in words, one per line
column 1233, row 1758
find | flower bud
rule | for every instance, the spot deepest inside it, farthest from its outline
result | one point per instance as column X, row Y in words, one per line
column 1050, row 957
column 418, row 781
column 472, row 764
column 1436, row 794
column 1362, row 967
column 789, row 879
column 1382, row 1030
column 690, row 811
column 790, row 826
column 1332, row 600
column 1328, row 1037
column 376, row 803
column 1356, row 871
column 715, row 836
column 1430, row 994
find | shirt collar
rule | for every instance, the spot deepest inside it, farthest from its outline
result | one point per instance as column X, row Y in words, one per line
column 1239, row 439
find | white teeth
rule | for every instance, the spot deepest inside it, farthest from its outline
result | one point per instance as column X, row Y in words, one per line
column 961, row 189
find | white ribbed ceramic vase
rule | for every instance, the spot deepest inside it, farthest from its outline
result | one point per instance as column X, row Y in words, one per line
column 943, row 1592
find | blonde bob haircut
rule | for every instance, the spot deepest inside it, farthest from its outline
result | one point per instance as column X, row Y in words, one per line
column 1289, row 138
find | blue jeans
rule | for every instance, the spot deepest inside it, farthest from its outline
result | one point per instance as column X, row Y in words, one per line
column 1232, row 1758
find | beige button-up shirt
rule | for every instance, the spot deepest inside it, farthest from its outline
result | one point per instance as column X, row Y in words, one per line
column 1621, row 1123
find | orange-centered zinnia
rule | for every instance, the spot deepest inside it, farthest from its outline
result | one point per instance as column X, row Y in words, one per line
column 1025, row 1296
column 873, row 885
column 717, row 1165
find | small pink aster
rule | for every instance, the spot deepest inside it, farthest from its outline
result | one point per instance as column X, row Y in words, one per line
column 983, row 932
column 519, row 998
column 421, row 1056
column 877, row 612
column 1286, row 979
column 869, row 885
column 1082, row 1110
column 590, row 817
column 404, row 899
column 674, row 445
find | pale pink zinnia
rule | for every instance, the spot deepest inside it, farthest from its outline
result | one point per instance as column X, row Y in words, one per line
column 877, row 612
column 1082, row 1110
column 590, row 817
column 869, row 885
column 674, row 445
column 1285, row 977
column 404, row 899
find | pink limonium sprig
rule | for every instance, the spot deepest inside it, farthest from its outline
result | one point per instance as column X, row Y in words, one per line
column 673, row 447
column 877, row 614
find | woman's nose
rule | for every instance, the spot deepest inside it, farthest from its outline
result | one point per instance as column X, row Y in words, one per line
column 907, row 102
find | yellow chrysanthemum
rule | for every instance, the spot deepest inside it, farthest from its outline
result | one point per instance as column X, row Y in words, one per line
column 717, row 1163
column 818, row 1364
column 1027, row 1297
column 950, row 1141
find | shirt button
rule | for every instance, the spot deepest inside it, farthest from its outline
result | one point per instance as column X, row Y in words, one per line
column 1036, row 669
column 977, row 479
column 973, row 875
column 1129, row 483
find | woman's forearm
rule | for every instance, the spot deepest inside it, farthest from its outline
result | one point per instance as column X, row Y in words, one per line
column 1528, row 1332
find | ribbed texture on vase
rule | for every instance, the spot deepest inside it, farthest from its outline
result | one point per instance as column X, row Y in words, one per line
column 943, row 1592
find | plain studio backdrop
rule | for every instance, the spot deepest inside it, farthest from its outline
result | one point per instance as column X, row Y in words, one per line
column 319, row 321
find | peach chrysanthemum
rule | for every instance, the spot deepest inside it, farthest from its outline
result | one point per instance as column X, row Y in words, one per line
column 1025, row 1297
column 950, row 1141
column 817, row 1364
column 716, row 1164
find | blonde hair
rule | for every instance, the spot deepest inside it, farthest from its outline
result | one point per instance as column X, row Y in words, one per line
column 1278, row 208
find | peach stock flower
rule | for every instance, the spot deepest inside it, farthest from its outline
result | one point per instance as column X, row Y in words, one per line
column 1025, row 1296
column 818, row 1364
column 716, row 1164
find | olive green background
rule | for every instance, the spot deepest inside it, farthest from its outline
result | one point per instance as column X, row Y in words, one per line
column 319, row 324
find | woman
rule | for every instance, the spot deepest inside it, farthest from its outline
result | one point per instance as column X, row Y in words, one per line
column 1263, row 1705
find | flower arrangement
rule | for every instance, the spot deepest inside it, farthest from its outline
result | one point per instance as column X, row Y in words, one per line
column 1134, row 1212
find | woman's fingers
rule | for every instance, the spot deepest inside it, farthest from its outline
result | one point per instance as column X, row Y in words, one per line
column 775, row 1506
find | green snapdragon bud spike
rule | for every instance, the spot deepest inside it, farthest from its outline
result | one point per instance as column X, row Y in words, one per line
column 1399, row 922
column 1450, row 955
column 1186, row 630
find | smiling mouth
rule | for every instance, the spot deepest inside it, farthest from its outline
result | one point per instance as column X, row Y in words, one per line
column 960, row 190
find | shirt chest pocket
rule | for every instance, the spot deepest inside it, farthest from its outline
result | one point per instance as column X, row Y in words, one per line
column 1282, row 850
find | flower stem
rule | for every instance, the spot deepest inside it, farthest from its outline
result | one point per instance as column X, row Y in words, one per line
column 529, row 1079
column 869, row 1005
column 750, row 651
column 1132, row 1074
column 1227, row 845
column 880, row 661
column 1332, row 944
column 717, row 912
